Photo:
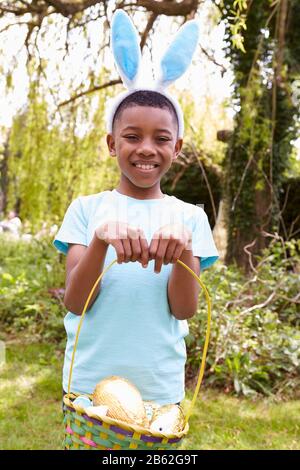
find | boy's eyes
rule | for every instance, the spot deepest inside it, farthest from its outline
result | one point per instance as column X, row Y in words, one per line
column 160, row 139
column 130, row 137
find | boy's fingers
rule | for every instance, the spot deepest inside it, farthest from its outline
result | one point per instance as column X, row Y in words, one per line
column 120, row 251
column 170, row 251
column 136, row 249
column 133, row 238
column 153, row 246
column 144, row 250
column 160, row 254
column 177, row 253
column 127, row 250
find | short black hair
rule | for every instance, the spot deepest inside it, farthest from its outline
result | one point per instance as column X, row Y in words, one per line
column 150, row 98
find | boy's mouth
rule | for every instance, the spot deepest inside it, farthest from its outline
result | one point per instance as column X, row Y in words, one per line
column 147, row 167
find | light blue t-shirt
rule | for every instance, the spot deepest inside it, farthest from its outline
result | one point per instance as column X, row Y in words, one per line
column 130, row 331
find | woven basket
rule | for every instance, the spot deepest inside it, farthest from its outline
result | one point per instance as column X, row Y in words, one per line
column 86, row 431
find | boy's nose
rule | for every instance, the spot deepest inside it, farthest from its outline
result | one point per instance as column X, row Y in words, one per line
column 145, row 148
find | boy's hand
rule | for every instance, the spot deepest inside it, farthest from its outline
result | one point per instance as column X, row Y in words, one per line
column 129, row 242
column 168, row 243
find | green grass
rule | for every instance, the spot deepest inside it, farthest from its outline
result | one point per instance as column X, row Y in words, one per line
column 30, row 394
column 223, row 422
column 30, row 409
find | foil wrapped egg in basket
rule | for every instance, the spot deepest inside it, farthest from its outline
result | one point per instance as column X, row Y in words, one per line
column 115, row 417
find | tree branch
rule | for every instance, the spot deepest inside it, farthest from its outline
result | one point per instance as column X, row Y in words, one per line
column 11, row 25
column 148, row 28
column 263, row 304
column 69, row 8
column 165, row 7
column 212, row 59
column 89, row 91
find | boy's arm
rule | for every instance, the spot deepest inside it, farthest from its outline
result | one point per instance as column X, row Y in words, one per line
column 83, row 266
column 183, row 289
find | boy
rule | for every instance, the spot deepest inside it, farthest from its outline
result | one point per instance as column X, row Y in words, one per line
column 136, row 320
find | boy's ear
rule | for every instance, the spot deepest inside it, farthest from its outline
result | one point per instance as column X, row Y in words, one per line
column 178, row 147
column 111, row 144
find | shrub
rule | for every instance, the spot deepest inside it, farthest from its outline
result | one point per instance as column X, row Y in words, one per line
column 255, row 336
column 31, row 281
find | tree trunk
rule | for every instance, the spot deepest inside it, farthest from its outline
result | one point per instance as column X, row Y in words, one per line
column 259, row 148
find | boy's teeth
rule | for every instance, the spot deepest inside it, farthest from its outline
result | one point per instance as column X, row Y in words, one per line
column 144, row 167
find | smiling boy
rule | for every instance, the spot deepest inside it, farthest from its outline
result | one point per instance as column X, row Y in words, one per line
column 145, row 134
column 136, row 320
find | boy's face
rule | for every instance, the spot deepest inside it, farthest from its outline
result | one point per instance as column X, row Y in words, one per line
column 148, row 136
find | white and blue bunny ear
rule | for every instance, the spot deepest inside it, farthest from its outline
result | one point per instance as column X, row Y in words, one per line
column 179, row 54
column 125, row 47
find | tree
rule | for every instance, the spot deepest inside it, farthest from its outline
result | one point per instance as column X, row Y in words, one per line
column 50, row 164
column 35, row 17
column 40, row 23
column 265, row 123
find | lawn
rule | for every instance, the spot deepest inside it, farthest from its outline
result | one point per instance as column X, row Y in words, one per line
column 30, row 409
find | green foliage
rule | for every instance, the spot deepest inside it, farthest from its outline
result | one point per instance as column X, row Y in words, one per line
column 51, row 163
column 28, row 168
column 260, row 150
column 255, row 339
column 29, row 272
column 236, row 18
column 290, row 201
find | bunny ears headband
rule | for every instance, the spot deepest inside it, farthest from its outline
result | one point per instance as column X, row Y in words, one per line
column 127, row 54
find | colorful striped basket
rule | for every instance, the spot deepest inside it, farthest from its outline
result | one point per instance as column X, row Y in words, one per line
column 84, row 430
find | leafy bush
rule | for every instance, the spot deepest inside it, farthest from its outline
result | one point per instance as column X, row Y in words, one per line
column 255, row 336
column 31, row 281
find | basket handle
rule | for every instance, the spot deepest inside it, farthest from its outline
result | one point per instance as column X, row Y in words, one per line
column 202, row 366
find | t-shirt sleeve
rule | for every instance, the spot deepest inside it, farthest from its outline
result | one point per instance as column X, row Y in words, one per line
column 203, row 244
column 73, row 228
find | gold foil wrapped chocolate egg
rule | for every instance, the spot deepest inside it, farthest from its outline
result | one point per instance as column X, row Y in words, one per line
column 167, row 419
column 123, row 400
